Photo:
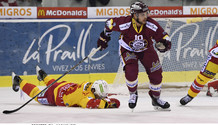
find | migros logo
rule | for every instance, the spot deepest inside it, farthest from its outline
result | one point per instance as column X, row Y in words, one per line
column 112, row 11
column 204, row 10
column 11, row 11
column 41, row 12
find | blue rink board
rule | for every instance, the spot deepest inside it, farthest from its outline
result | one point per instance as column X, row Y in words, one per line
column 57, row 46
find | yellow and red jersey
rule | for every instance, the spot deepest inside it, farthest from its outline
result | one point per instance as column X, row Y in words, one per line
column 72, row 94
column 208, row 71
column 68, row 94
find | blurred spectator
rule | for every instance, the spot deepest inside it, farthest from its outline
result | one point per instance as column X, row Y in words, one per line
column 198, row 2
column 103, row 2
column 8, row 3
column 29, row 2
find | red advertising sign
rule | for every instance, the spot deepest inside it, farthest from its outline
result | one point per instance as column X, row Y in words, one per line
column 62, row 12
column 174, row 11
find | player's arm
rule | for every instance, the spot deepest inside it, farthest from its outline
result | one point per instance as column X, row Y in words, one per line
column 100, row 103
column 110, row 25
column 162, row 39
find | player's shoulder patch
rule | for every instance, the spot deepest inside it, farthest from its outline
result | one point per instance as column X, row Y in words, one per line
column 125, row 26
column 151, row 26
column 110, row 23
column 214, row 52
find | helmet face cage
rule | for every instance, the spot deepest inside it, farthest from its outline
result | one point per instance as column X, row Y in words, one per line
column 138, row 7
column 101, row 88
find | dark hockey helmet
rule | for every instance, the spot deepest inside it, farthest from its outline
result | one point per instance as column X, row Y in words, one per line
column 138, row 7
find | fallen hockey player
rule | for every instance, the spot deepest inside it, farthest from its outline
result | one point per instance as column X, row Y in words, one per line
column 85, row 95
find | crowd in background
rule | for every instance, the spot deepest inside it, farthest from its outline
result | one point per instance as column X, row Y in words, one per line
column 93, row 3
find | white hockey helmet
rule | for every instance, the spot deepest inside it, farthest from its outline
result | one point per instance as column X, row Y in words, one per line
column 101, row 88
column 138, row 7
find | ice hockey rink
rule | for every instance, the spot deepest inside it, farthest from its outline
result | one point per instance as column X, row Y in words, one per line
column 202, row 109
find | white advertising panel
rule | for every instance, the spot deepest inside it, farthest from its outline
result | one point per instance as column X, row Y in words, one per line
column 200, row 10
column 18, row 12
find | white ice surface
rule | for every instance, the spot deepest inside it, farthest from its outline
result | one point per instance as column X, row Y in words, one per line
column 202, row 109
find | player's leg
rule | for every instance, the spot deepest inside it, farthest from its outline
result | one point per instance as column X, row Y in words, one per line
column 150, row 61
column 47, row 98
column 43, row 76
column 30, row 89
column 208, row 72
column 130, row 64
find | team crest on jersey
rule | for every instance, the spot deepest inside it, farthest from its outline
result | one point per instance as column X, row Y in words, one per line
column 138, row 45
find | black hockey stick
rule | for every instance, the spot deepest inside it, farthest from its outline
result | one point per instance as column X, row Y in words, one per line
column 90, row 55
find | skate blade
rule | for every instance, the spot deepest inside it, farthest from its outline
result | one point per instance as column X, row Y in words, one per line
column 157, row 108
column 132, row 110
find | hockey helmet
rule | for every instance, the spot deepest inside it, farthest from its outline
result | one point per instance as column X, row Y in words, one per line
column 138, row 7
column 101, row 88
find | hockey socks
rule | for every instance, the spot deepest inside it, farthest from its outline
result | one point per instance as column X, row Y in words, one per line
column 30, row 89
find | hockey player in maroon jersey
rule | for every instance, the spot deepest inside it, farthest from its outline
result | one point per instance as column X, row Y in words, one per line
column 138, row 31
column 208, row 72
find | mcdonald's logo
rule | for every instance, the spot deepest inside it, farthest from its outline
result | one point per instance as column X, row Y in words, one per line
column 41, row 12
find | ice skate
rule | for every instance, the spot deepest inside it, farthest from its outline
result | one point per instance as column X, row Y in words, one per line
column 160, row 104
column 16, row 80
column 186, row 99
column 133, row 100
column 40, row 73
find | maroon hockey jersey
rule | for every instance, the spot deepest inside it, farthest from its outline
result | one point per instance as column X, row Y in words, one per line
column 133, row 38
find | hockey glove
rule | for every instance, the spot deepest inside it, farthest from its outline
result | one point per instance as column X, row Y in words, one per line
column 112, row 103
column 163, row 45
column 103, row 41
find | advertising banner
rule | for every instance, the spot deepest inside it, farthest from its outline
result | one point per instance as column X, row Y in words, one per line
column 57, row 46
column 108, row 12
column 61, row 12
column 18, row 12
column 166, row 11
column 200, row 10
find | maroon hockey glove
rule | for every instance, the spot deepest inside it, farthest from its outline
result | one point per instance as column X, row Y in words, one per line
column 103, row 41
column 163, row 45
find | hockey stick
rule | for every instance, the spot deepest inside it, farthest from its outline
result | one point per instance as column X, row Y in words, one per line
column 92, row 53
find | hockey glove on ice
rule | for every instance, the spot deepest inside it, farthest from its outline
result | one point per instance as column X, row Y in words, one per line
column 112, row 103
column 103, row 41
column 163, row 45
